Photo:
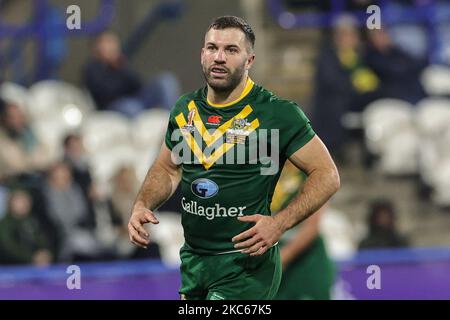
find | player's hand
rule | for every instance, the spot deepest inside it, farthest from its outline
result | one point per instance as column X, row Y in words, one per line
column 140, row 216
column 259, row 238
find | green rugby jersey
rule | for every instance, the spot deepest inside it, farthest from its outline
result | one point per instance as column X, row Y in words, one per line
column 218, row 183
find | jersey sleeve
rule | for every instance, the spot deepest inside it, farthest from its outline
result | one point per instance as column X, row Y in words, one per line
column 170, row 139
column 297, row 130
column 170, row 128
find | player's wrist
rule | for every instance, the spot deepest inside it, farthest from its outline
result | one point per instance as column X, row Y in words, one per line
column 280, row 220
column 139, row 205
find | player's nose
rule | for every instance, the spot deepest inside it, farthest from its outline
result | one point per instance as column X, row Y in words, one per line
column 220, row 57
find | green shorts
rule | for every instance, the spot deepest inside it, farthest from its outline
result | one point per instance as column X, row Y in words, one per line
column 310, row 276
column 231, row 276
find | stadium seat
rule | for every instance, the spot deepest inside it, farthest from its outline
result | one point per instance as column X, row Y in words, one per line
column 104, row 130
column 401, row 153
column 412, row 38
column 433, row 116
column 391, row 134
column 149, row 128
column 338, row 233
column 15, row 93
column 51, row 97
column 433, row 121
column 382, row 118
column 436, row 80
column 51, row 133
column 105, row 163
column 168, row 234
column 143, row 160
column 434, row 148
column 441, row 184
column 429, row 156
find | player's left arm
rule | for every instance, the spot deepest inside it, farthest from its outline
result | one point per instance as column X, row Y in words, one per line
column 323, row 181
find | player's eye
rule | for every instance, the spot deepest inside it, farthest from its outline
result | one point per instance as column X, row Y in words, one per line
column 232, row 50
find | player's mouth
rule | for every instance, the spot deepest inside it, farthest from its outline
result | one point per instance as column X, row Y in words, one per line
column 218, row 72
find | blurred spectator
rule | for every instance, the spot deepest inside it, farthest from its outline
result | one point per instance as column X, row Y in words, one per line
column 69, row 210
column 398, row 71
column 76, row 157
column 308, row 271
column 343, row 83
column 22, row 240
column 125, row 188
column 115, row 86
column 383, row 232
column 21, row 150
column 107, row 76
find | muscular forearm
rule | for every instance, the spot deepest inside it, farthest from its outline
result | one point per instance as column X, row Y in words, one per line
column 319, row 187
column 158, row 186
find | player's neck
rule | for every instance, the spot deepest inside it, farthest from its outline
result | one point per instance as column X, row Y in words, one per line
column 220, row 98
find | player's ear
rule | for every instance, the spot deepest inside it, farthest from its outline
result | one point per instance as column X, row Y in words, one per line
column 202, row 52
column 250, row 60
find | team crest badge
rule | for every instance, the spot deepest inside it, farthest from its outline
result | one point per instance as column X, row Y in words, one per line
column 189, row 127
column 238, row 132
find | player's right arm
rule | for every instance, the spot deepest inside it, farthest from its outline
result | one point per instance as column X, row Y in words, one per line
column 160, row 183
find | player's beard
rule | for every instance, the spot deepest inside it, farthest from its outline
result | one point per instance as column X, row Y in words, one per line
column 232, row 79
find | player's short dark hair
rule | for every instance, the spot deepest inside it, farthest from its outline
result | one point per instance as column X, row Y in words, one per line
column 226, row 22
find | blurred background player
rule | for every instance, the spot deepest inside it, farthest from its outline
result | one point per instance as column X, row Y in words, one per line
column 308, row 271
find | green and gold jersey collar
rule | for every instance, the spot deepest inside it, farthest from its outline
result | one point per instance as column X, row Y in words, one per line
column 248, row 88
